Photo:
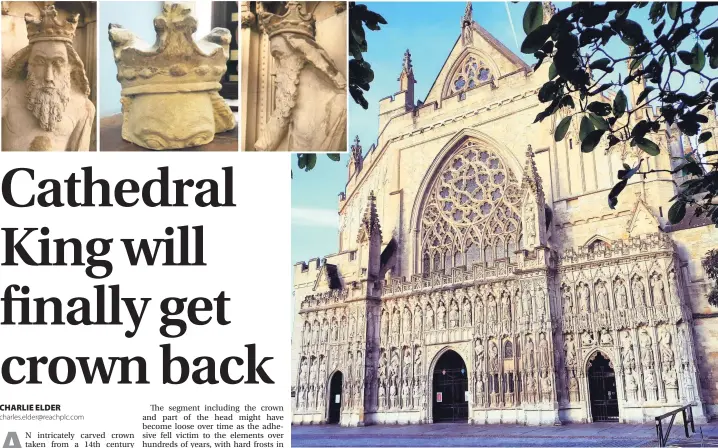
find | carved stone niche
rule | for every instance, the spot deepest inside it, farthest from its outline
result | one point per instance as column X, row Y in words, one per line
column 45, row 88
column 170, row 90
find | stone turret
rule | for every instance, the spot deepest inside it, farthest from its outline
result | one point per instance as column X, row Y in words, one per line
column 407, row 81
column 402, row 101
column 534, row 204
column 356, row 162
column 635, row 89
column 369, row 241
column 549, row 9
column 467, row 21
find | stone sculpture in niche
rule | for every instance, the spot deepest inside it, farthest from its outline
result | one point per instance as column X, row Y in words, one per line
column 310, row 110
column 170, row 90
column 45, row 90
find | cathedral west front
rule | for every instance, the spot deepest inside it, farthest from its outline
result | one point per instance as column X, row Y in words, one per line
column 482, row 276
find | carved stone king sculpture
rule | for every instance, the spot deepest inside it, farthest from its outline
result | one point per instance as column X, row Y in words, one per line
column 170, row 90
column 310, row 110
column 45, row 90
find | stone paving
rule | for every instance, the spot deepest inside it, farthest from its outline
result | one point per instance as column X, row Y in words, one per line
column 458, row 435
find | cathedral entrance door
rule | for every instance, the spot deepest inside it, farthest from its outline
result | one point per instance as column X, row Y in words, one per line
column 335, row 398
column 450, row 387
column 602, row 390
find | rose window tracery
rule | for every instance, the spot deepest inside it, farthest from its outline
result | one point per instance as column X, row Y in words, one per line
column 472, row 211
column 471, row 73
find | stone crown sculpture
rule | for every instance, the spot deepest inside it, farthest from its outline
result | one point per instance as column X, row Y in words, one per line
column 170, row 90
column 293, row 21
column 47, row 27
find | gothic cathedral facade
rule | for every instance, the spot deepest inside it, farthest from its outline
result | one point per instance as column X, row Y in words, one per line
column 482, row 276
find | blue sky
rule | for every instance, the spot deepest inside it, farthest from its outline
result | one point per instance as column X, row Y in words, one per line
column 429, row 30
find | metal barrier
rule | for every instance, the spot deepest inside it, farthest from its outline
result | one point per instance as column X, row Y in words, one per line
column 687, row 418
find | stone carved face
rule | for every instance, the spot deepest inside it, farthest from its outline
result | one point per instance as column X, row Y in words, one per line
column 170, row 120
column 48, row 82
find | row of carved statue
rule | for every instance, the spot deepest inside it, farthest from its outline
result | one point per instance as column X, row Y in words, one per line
column 633, row 246
column 587, row 297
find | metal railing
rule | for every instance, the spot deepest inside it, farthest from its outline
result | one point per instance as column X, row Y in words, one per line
column 687, row 412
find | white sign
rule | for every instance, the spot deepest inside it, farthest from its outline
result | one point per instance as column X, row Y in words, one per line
column 336, row 398
column 439, row 397
column 466, row 396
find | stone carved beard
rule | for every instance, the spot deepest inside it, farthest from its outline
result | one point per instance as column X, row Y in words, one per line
column 48, row 102
column 289, row 67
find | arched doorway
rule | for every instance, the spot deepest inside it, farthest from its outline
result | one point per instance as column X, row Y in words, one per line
column 335, row 398
column 450, row 384
column 602, row 389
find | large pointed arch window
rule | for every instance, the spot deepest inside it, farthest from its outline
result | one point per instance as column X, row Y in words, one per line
column 471, row 208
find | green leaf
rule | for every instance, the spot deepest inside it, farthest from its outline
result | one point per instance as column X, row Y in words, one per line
column 713, row 60
column 536, row 39
column 674, row 8
column 311, row 161
column 699, row 58
column 562, row 128
column 710, row 33
column 599, row 108
column 677, row 212
column 636, row 62
column 619, row 104
column 657, row 10
column 598, row 122
column 647, row 146
column 686, row 57
column 533, row 17
column 643, row 95
column 552, row 73
column 301, row 161
column 600, row 64
column 585, row 128
column 334, row 157
column 615, row 191
column 591, row 141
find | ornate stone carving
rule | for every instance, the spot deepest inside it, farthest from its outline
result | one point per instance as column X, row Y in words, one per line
column 570, row 351
column 45, row 90
column 544, row 354
column 454, row 315
column 473, row 191
column 638, row 291
column 310, row 110
column 659, row 298
column 584, row 297
column 170, row 89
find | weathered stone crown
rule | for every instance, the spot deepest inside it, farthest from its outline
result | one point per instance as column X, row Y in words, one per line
column 295, row 20
column 48, row 27
column 174, row 60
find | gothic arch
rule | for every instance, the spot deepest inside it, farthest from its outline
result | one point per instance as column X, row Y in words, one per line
column 429, row 374
column 328, row 392
column 471, row 188
column 614, row 363
column 607, row 352
column 480, row 61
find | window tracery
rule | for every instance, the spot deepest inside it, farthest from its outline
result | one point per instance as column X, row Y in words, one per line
column 472, row 210
column 471, row 73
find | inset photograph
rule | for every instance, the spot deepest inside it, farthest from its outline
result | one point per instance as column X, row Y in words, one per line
column 49, row 82
column 294, row 76
column 177, row 92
